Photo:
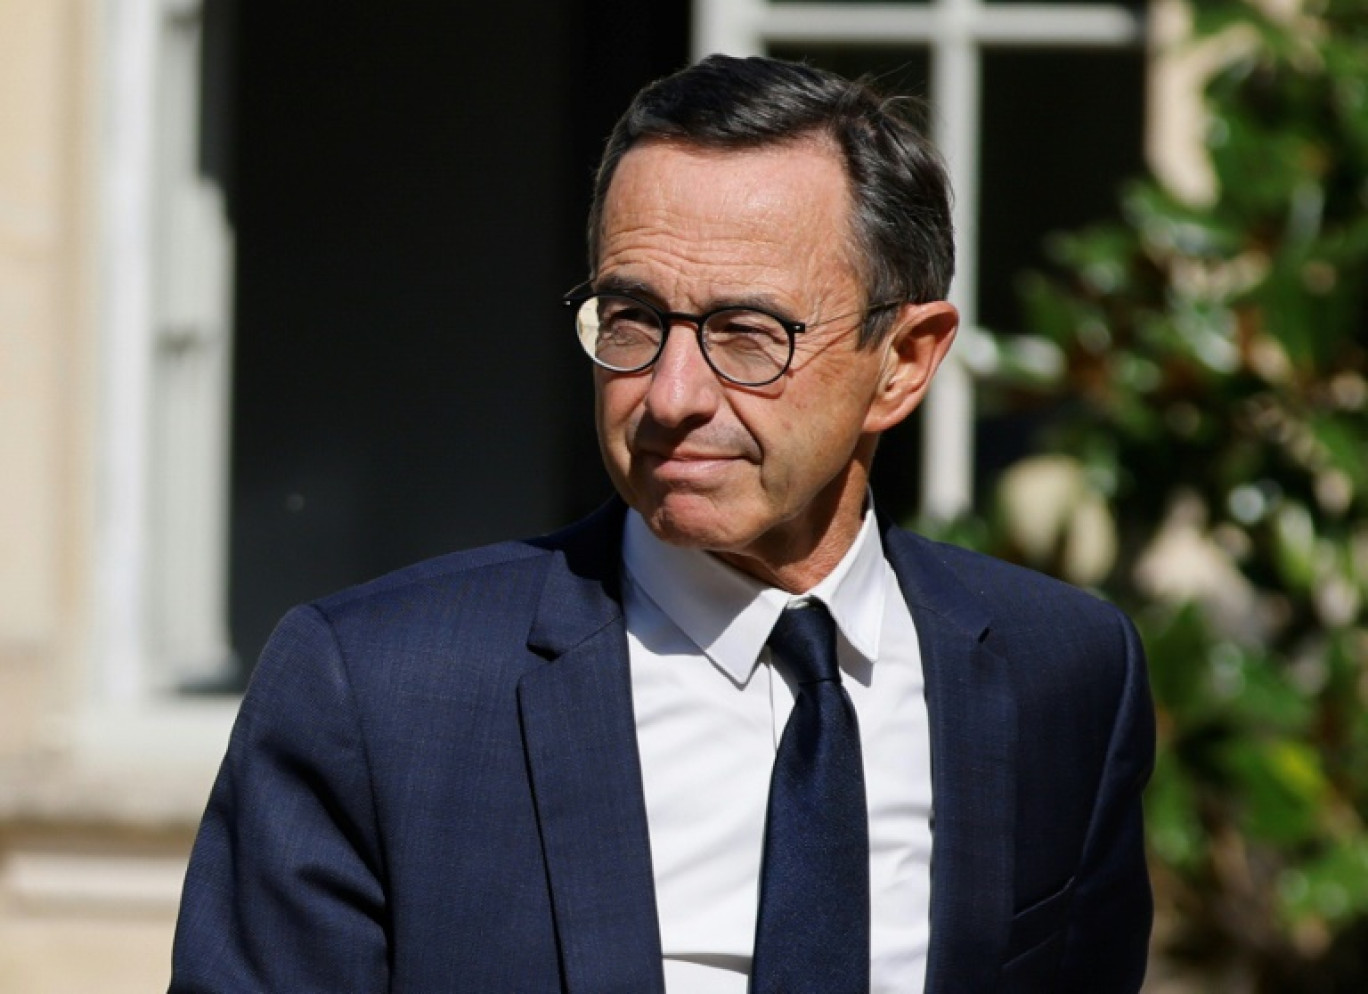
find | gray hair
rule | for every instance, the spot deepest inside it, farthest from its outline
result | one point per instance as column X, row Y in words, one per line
column 901, row 196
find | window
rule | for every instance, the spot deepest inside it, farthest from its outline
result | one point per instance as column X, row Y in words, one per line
column 165, row 289
column 1005, row 79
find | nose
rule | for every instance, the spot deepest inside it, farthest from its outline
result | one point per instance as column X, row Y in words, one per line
column 683, row 386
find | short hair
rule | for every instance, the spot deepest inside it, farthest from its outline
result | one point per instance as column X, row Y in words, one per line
column 901, row 219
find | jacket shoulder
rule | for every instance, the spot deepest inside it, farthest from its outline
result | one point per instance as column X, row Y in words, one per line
column 1007, row 591
column 452, row 570
column 589, row 548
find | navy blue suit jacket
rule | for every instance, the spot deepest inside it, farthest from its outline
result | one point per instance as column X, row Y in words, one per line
column 433, row 785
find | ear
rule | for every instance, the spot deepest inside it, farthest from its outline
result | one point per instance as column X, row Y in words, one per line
column 912, row 351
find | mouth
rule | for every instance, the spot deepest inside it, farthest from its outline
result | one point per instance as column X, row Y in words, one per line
column 684, row 468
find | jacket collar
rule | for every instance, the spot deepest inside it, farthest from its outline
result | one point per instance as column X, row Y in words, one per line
column 579, row 735
column 583, row 586
column 973, row 772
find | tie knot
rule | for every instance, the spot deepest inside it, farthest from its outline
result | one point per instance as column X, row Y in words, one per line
column 804, row 644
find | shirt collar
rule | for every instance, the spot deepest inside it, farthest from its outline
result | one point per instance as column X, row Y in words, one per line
column 730, row 615
column 854, row 591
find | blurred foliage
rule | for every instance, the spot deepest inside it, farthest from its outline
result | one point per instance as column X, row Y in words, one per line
column 1206, row 374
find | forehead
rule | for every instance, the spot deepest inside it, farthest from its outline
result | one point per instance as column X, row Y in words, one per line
column 777, row 212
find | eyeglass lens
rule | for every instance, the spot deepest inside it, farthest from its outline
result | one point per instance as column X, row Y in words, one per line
column 745, row 346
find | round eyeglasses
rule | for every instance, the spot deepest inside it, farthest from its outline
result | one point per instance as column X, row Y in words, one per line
column 744, row 345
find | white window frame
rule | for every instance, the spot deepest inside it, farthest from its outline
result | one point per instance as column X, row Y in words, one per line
column 955, row 33
column 162, row 449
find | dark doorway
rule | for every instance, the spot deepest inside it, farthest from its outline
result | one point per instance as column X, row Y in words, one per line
column 408, row 188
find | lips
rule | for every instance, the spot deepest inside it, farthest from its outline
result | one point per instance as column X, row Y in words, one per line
column 686, row 455
column 687, row 467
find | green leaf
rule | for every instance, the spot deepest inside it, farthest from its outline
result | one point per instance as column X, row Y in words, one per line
column 1294, row 535
column 1213, row 17
column 1281, row 787
column 1346, row 446
column 1175, row 832
column 1331, row 887
column 1176, row 641
column 1256, row 693
column 1051, row 312
column 1169, row 227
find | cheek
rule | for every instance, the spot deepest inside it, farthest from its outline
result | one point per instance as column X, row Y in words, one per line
column 784, row 440
column 614, row 401
column 812, row 438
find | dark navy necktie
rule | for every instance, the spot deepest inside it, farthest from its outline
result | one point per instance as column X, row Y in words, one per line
column 812, row 930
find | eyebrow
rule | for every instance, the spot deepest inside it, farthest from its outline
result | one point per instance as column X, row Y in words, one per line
column 617, row 284
column 643, row 290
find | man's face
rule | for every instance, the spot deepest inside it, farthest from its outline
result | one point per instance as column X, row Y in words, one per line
column 765, row 475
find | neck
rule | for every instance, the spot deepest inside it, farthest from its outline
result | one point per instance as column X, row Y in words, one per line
column 798, row 557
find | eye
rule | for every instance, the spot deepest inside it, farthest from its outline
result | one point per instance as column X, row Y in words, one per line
column 622, row 316
column 621, row 310
column 746, row 329
column 619, row 332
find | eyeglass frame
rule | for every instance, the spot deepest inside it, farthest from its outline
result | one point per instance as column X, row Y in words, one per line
column 576, row 297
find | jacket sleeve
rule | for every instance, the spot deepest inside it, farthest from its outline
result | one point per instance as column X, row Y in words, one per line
column 285, row 887
column 1112, row 908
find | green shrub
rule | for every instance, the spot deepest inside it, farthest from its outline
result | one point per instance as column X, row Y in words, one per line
column 1208, row 425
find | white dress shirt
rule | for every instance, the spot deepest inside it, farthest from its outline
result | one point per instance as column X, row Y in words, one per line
column 709, row 714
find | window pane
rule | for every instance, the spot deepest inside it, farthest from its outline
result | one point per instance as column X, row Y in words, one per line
column 410, row 199
column 1061, row 130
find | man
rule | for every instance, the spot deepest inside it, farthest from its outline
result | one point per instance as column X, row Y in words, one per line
column 733, row 732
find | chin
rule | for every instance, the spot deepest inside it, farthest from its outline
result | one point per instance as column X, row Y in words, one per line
column 693, row 522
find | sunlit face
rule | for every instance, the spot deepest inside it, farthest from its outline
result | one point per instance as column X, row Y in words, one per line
column 767, row 476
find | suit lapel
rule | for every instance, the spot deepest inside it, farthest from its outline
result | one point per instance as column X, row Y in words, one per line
column 580, row 739
column 973, row 728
